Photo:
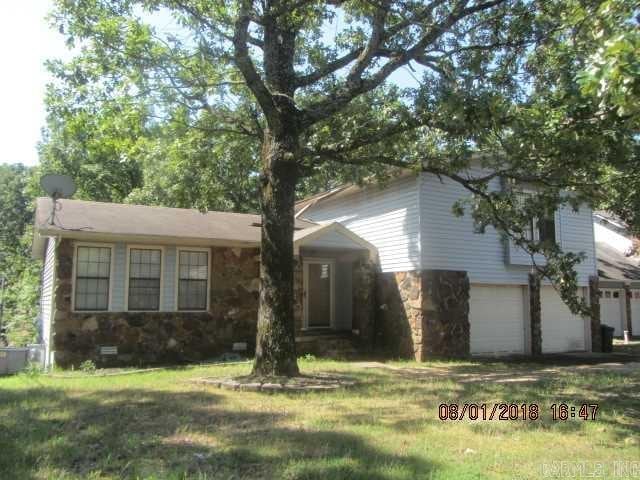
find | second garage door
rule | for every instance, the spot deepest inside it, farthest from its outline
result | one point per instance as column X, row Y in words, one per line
column 496, row 317
column 611, row 309
column 635, row 312
column 562, row 331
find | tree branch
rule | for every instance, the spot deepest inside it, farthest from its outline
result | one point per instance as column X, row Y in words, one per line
column 375, row 41
column 245, row 64
column 356, row 85
column 328, row 69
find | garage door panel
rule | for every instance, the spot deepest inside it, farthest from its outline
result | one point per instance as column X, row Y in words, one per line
column 496, row 317
column 562, row 331
column 611, row 309
column 635, row 312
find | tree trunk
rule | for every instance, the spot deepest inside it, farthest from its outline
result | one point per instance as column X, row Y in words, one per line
column 275, row 342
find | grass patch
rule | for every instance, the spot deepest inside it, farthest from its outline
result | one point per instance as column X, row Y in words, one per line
column 159, row 425
column 630, row 348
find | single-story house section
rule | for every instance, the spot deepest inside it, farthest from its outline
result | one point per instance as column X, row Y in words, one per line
column 130, row 284
column 619, row 274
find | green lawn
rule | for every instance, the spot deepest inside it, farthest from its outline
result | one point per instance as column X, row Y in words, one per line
column 158, row 425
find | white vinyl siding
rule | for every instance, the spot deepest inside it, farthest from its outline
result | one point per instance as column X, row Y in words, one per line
column 562, row 331
column 575, row 232
column 169, row 280
column 497, row 319
column 451, row 243
column 388, row 217
column 411, row 223
column 46, row 296
column 118, row 280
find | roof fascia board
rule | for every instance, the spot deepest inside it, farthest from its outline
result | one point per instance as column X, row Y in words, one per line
column 156, row 239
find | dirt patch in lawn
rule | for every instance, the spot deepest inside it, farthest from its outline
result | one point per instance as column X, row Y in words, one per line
column 302, row 383
column 523, row 375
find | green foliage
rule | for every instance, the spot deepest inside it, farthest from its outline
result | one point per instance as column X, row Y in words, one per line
column 32, row 370
column 21, row 293
column 15, row 206
column 612, row 70
column 308, row 357
column 21, row 300
column 162, row 106
column 88, row 367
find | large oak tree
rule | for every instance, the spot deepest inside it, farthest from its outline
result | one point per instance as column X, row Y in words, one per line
column 353, row 88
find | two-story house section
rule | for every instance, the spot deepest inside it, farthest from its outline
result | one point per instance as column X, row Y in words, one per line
column 419, row 239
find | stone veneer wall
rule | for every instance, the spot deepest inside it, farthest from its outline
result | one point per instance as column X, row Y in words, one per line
column 446, row 328
column 423, row 314
column 399, row 316
column 364, row 301
column 161, row 337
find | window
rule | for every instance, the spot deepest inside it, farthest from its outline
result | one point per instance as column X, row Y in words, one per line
column 93, row 269
column 144, row 279
column 547, row 230
column 193, row 276
column 539, row 229
column 616, row 294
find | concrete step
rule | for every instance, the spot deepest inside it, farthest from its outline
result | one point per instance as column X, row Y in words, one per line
column 329, row 345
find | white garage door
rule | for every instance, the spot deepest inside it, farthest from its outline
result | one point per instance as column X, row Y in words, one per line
column 496, row 316
column 612, row 308
column 635, row 312
column 561, row 330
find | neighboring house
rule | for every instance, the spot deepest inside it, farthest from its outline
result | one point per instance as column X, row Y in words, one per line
column 619, row 274
column 129, row 284
column 446, row 288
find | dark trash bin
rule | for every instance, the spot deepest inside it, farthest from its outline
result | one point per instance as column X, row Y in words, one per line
column 607, row 338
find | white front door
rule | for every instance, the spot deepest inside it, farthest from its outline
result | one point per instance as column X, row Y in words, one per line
column 319, row 293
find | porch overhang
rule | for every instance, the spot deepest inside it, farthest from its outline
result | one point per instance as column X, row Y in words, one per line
column 334, row 236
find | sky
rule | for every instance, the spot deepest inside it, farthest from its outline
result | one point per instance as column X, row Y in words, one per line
column 26, row 42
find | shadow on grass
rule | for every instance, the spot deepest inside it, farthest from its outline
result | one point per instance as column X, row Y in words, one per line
column 136, row 433
column 614, row 392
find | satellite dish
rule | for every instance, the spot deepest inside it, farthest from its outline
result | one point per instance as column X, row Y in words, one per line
column 57, row 186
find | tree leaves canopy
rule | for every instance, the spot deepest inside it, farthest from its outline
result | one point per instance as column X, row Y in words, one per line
column 513, row 87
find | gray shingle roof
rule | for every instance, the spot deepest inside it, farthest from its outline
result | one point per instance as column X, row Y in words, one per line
column 613, row 265
column 138, row 220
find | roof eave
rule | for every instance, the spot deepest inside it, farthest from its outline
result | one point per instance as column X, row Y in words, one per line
column 140, row 238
